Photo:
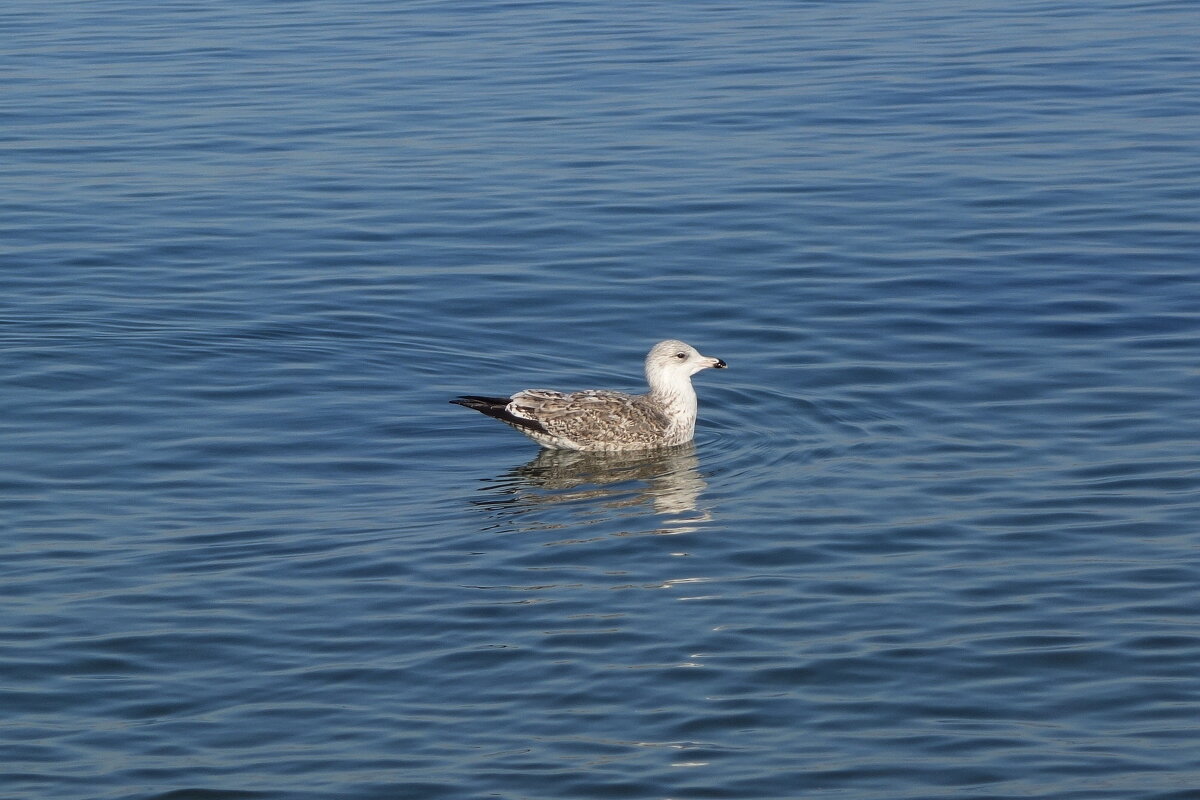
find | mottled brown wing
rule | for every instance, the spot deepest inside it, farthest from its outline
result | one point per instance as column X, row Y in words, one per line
column 591, row 416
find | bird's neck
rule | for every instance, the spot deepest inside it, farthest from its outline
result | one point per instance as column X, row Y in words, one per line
column 675, row 393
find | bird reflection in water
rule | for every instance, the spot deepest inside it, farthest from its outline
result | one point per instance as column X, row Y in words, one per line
column 603, row 486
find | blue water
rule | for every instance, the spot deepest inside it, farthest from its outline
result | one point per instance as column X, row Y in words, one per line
column 939, row 533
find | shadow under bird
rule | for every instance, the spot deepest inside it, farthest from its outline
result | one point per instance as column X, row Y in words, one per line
column 603, row 420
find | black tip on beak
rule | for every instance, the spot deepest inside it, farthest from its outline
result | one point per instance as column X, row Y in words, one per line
column 720, row 364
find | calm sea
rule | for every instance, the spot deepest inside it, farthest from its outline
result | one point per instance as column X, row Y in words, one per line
column 939, row 533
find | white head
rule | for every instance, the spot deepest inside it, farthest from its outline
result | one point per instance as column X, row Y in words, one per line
column 672, row 363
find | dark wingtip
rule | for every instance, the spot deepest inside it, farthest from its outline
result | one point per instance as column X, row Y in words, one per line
column 497, row 407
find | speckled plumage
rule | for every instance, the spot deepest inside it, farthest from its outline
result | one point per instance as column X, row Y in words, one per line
column 601, row 420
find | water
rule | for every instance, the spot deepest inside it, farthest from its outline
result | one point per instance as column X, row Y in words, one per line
column 938, row 536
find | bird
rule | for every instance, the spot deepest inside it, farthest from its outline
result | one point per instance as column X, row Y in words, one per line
column 609, row 421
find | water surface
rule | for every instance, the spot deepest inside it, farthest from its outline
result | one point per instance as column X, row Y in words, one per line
column 937, row 536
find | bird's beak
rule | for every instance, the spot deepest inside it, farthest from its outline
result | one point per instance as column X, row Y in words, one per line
column 718, row 363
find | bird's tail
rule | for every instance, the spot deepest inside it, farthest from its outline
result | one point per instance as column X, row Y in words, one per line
column 498, row 407
column 487, row 405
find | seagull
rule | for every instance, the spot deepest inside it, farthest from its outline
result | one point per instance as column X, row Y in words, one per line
column 603, row 420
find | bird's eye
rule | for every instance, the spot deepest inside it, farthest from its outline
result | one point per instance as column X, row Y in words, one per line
column 681, row 355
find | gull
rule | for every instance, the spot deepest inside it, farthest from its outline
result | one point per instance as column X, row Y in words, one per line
column 603, row 420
